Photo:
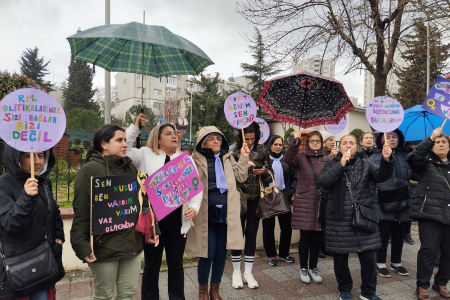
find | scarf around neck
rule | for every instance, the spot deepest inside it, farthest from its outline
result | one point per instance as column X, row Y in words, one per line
column 221, row 180
column 278, row 170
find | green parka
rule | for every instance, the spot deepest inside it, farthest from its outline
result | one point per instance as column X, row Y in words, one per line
column 108, row 246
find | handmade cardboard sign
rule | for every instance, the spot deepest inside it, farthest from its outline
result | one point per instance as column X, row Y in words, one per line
column 337, row 128
column 240, row 110
column 384, row 114
column 437, row 101
column 115, row 203
column 172, row 185
column 31, row 120
column 264, row 128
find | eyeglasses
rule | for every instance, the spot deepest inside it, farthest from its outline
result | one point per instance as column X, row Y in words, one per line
column 314, row 141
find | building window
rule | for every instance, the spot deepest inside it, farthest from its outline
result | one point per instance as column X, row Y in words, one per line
column 220, row 88
column 157, row 92
column 200, row 88
column 156, row 105
column 139, row 90
column 179, row 91
column 157, row 79
column 170, row 92
column 124, row 81
column 138, row 76
column 171, row 80
column 179, row 77
column 232, row 88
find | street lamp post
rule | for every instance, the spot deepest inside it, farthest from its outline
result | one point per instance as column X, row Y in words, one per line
column 190, row 121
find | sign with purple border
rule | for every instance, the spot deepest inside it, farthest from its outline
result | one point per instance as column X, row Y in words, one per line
column 240, row 110
column 384, row 113
column 337, row 128
column 264, row 128
column 437, row 101
column 31, row 120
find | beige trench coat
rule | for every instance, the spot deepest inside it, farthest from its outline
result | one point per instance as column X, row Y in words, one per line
column 197, row 237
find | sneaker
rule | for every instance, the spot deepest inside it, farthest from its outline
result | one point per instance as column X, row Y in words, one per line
column 384, row 272
column 374, row 297
column 314, row 273
column 321, row 254
column 250, row 281
column 304, row 277
column 400, row 270
column 273, row 261
column 345, row 296
column 408, row 239
column 237, row 280
column 288, row 259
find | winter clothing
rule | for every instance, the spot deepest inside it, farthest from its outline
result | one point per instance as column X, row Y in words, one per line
column 341, row 236
column 325, row 135
column 367, row 153
column 26, row 220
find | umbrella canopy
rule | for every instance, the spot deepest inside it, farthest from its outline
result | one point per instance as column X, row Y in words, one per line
column 305, row 99
column 418, row 124
column 138, row 48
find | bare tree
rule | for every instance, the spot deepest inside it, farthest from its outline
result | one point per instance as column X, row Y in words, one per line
column 173, row 103
column 366, row 33
column 99, row 98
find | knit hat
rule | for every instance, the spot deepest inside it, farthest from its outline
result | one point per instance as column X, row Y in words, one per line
column 325, row 135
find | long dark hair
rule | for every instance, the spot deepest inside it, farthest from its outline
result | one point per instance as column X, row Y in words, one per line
column 104, row 134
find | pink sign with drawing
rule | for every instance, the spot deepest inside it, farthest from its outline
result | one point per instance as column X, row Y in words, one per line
column 172, row 185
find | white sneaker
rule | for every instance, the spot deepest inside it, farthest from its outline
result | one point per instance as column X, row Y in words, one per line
column 304, row 277
column 314, row 273
column 251, row 282
column 237, row 280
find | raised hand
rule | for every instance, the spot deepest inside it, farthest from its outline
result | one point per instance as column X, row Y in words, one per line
column 387, row 151
column 140, row 117
column 436, row 133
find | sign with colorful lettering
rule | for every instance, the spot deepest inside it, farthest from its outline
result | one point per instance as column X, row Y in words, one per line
column 337, row 128
column 384, row 113
column 264, row 128
column 115, row 203
column 240, row 110
column 173, row 184
column 437, row 101
column 31, row 120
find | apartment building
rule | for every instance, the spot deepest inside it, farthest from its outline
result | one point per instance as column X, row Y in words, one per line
column 316, row 66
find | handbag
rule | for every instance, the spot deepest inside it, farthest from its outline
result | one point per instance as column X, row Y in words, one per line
column 323, row 200
column 394, row 199
column 272, row 201
column 364, row 218
column 243, row 200
column 36, row 268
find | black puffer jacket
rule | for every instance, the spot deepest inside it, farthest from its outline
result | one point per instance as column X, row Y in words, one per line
column 259, row 155
column 23, row 219
column 433, row 195
column 340, row 235
column 367, row 153
column 402, row 174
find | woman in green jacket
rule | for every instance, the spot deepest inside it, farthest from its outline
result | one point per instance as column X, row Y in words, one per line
column 116, row 258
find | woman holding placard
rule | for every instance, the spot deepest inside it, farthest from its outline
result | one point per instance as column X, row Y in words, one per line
column 29, row 218
column 217, row 226
column 115, row 260
column 259, row 165
column 162, row 147
column 347, row 178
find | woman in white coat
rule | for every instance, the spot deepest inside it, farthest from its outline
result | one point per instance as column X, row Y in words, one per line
column 162, row 146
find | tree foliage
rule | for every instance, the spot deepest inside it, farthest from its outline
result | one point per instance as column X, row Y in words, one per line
column 412, row 79
column 99, row 98
column 357, row 133
column 9, row 83
column 83, row 119
column 34, row 67
column 151, row 118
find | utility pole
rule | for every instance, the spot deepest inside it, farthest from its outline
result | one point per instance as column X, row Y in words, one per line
column 107, row 74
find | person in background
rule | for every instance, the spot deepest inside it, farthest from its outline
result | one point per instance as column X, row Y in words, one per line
column 328, row 141
column 367, row 141
column 287, row 181
column 431, row 208
column 217, row 226
column 342, row 238
column 259, row 167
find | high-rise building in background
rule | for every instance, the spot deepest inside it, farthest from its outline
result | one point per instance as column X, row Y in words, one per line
column 316, row 66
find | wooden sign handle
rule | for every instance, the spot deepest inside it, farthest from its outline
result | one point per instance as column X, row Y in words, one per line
column 443, row 123
column 185, row 209
column 243, row 136
column 385, row 138
column 32, row 164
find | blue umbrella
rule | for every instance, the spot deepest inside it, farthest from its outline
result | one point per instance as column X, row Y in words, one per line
column 418, row 124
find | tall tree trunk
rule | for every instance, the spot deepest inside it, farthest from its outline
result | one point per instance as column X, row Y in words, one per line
column 380, row 85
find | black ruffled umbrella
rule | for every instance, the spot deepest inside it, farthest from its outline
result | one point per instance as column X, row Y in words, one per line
column 305, row 99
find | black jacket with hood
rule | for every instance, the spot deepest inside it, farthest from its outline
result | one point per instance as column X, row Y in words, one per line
column 26, row 220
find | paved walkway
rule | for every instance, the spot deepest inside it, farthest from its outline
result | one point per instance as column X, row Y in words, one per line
column 281, row 282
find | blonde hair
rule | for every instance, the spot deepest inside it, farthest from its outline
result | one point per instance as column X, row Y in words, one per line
column 154, row 136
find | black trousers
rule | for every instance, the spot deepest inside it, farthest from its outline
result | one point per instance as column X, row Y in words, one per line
column 433, row 236
column 173, row 242
column 396, row 230
column 408, row 228
column 285, row 235
column 309, row 243
column 250, row 224
column 368, row 264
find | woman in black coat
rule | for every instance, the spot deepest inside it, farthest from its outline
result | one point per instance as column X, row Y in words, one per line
column 286, row 177
column 367, row 142
column 28, row 216
column 341, row 238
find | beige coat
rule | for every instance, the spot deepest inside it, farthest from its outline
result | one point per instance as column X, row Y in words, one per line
column 197, row 237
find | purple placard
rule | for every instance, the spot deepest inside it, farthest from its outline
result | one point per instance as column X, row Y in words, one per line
column 31, row 120
column 173, row 184
column 438, row 96
column 240, row 110
column 337, row 128
column 384, row 114
column 264, row 128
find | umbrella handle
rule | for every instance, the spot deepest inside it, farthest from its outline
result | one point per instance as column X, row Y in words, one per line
column 443, row 123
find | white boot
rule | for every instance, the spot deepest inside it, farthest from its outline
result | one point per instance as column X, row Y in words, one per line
column 237, row 280
column 250, row 280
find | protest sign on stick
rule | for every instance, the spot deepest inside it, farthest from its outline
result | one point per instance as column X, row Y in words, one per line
column 384, row 114
column 240, row 111
column 264, row 130
column 437, row 101
column 336, row 128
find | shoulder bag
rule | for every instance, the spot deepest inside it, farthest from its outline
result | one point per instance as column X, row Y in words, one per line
column 394, row 199
column 272, row 201
column 364, row 218
column 322, row 201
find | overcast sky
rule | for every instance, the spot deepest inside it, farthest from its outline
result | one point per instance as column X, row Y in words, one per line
column 213, row 25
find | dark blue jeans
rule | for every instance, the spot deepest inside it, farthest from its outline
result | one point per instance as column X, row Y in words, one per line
column 217, row 253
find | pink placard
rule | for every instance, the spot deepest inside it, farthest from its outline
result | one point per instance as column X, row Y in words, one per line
column 240, row 110
column 384, row 114
column 337, row 128
column 31, row 120
column 264, row 128
column 172, row 185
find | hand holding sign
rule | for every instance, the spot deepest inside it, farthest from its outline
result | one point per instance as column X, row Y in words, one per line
column 438, row 95
column 436, row 133
column 384, row 114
